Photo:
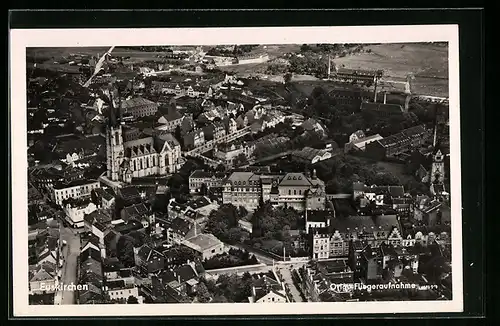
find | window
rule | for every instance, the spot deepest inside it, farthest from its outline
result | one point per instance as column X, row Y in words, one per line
column 289, row 192
column 295, row 192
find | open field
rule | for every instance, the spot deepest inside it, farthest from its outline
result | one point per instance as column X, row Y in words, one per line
column 427, row 62
column 60, row 53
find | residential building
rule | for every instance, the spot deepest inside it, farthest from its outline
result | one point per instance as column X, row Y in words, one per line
column 317, row 219
column 267, row 290
column 178, row 230
column 139, row 107
column 43, row 278
column 314, row 125
column 398, row 258
column 333, row 241
column 194, row 139
column 106, row 197
column 172, row 119
column 97, row 222
column 311, row 155
column 229, row 152
column 371, row 264
column 359, row 145
column 90, row 274
column 139, row 212
column 430, row 212
column 205, row 245
column 120, row 291
column 394, row 145
column 76, row 209
column 75, row 189
column 148, row 260
column 200, row 177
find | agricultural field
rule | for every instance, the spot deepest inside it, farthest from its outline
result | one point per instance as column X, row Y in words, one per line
column 428, row 63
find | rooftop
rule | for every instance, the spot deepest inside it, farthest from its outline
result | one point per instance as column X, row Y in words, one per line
column 204, row 241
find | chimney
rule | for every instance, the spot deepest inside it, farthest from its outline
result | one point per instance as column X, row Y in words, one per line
column 314, row 174
column 179, row 279
column 385, row 98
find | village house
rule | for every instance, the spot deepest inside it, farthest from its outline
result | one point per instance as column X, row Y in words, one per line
column 43, row 278
column 267, row 290
column 148, row 260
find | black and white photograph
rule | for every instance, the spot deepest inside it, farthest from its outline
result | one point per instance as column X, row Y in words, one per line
column 220, row 171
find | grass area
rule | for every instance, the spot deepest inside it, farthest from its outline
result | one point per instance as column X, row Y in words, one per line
column 397, row 170
column 427, row 62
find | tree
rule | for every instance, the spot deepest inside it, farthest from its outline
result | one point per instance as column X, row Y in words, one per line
column 132, row 300
column 125, row 250
column 203, row 189
column 140, row 238
column 305, row 48
column 240, row 159
column 202, row 293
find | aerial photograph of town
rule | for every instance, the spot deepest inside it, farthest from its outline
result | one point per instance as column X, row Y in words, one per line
column 244, row 173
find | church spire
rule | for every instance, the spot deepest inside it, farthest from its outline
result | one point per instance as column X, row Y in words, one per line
column 114, row 112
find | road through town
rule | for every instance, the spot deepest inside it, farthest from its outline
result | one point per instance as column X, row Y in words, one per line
column 71, row 251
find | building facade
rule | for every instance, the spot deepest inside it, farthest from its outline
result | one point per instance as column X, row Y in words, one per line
column 76, row 189
column 294, row 190
column 156, row 155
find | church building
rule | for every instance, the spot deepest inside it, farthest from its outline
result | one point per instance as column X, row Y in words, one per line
column 159, row 154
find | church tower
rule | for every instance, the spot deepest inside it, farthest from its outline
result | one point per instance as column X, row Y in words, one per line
column 437, row 171
column 114, row 140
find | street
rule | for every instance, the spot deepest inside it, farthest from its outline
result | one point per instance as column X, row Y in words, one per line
column 261, row 258
column 70, row 252
column 286, row 274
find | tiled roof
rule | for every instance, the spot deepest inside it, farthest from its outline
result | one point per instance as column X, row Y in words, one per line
column 135, row 102
column 180, row 226
column 136, row 211
column 295, row 179
column 368, row 223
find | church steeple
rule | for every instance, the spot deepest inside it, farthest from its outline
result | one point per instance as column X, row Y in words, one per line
column 114, row 112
